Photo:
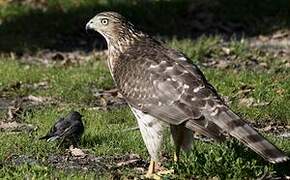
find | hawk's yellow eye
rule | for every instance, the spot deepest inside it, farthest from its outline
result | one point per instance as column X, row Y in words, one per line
column 104, row 21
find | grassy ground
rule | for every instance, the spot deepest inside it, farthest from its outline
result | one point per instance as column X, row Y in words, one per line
column 256, row 84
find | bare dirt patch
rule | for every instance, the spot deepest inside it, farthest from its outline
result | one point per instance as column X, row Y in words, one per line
column 59, row 58
column 67, row 161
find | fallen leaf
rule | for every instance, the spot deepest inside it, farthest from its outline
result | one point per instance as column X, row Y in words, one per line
column 36, row 98
column 263, row 64
column 140, row 169
column 263, row 38
column 16, row 127
column 243, row 92
column 108, row 98
column 14, row 112
column 227, row 51
column 41, row 85
column 256, row 104
column 76, row 152
column 280, row 34
column 248, row 102
column 222, row 64
column 268, row 128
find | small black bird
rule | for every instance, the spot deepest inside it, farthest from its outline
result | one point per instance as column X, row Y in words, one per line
column 68, row 130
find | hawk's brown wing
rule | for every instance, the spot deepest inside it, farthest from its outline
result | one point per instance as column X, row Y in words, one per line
column 167, row 88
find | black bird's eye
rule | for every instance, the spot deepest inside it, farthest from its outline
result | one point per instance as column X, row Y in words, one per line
column 104, row 21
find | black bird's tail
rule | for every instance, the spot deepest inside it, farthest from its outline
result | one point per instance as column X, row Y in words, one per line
column 49, row 137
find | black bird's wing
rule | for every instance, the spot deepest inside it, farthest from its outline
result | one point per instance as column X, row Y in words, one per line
column 55, row 131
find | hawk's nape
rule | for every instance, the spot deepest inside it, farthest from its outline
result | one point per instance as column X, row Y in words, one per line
column 162, row 87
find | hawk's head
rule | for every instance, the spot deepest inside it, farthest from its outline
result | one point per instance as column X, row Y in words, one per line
column 113, row 26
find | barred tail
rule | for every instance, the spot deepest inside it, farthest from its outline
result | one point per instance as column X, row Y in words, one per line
column 236, row 127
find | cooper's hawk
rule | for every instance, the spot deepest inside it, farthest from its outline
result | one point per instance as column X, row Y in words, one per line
column 68, row 130
column 161, row 87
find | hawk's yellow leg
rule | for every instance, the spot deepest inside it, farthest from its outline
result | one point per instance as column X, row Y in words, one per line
column 176, row 155
column 151, row 169
column 178, row 140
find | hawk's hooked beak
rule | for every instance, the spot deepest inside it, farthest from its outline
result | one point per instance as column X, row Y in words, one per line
column 90, row 26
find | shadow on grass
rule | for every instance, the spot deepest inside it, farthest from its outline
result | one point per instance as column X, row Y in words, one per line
column 62, row 29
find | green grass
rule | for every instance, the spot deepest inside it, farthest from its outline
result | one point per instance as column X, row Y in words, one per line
column 71, row 87
column 73, row 84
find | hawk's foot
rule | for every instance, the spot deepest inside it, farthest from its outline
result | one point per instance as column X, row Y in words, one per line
column 156, row 172
column 159, row 174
